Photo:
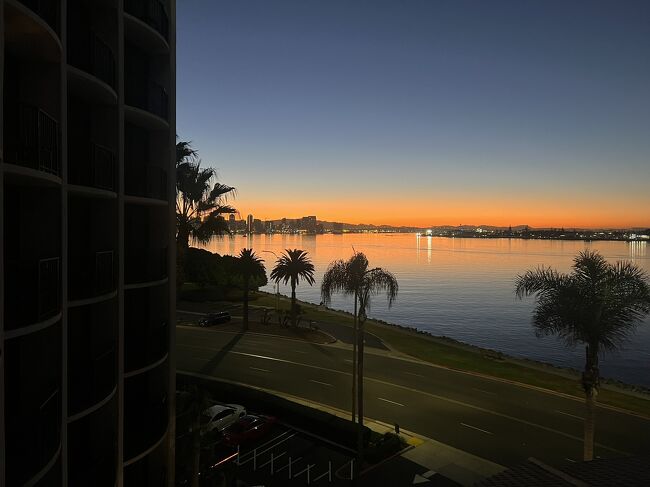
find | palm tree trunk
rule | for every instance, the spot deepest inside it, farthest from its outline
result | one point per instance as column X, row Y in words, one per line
column 293, row 302
column 245, row 324
column 360, row 398
column 590, row 382
column 590, row 407
column 354, row 361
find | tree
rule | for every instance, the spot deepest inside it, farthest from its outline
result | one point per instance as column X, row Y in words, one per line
column 201, row 202
column 249, row 266
column 597, row 305
column 352, row 277
column 290, row 267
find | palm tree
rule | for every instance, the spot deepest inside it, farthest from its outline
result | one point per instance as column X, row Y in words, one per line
column 290, row 267
column 249, row 266
column 353, row 277
column 598, row 305
column 201, row 201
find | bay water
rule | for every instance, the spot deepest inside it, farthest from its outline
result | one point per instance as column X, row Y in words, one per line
column 462, row 288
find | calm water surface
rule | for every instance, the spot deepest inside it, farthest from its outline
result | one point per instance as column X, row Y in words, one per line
column 462, row 288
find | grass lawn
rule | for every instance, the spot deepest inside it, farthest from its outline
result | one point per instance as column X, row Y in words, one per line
column 455, row 355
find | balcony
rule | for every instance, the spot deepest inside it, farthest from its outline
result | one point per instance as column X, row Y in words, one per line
column 34, row 141
column 92, row 354
column 147, row 181
column 92, row 55
column 91, row 274
column 146, row 410
column 149, row 96
column 48, row 10
column 145, row 342
column 91, row 379
column 151, row 12
column 92, row 165
column 33, row 402
column 33, row 291
column 145, row 265
column 92, row 448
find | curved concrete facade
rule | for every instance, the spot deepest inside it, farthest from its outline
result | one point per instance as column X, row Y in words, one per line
column 87, row 169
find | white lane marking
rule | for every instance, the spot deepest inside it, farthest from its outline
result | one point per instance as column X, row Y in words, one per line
column 319, row 382
column 429, row 394
column 416, row 375
column 570, row 415
column 292, row 462
column 392, row 402
column 257, row 368
column 570, row 460
column 475, row 428
column 275, row 438
column 275, row 459
column 301, row 351
column 485, row 392
column 267, row 449
column 303, row 471
column 347, row 360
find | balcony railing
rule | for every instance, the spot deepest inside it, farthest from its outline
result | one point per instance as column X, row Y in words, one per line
column 158, row 100
column 48, row 10
column 145, row 342
column 151, row 12
column 147, row 95
column 103, row 167
column 34, row 293
column 149, row 181
column 49, row 427
column 36, row 141
column 91, row 164
column 145, row 265
column 48, row 287
column 92, row 55
column 92, row 274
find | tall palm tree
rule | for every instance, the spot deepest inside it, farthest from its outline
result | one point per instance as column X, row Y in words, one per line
column 201, row 201
column 290, row 267
column 352, row 277
column 345, row 277
column 249, row 266
column 597, row 305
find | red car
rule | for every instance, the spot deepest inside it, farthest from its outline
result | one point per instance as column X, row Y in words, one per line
column 248, row 428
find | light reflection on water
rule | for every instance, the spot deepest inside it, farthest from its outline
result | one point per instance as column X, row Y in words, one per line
column 463, row 288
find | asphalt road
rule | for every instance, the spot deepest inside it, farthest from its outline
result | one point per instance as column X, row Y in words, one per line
column 497, row 421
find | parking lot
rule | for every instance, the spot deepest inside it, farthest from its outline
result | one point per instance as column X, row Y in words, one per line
column 290, row 457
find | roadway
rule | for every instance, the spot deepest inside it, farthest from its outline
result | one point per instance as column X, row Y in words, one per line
column 495, row 420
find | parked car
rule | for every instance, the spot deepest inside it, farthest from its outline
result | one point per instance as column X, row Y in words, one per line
column 220, row 416
column 215, row 318
column 248, row 428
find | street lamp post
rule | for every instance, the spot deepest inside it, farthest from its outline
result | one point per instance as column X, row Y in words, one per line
column 277, row 285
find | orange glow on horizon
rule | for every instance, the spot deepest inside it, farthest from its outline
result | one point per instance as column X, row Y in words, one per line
column 504, row 211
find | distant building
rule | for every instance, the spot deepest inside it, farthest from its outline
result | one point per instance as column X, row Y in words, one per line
column 308, row 224
column 232, row 223
column 258, row 226
column 249, row 224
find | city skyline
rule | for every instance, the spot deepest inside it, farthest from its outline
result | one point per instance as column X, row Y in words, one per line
column 426, row 113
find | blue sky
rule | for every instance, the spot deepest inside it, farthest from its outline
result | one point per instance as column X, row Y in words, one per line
column 422, row 112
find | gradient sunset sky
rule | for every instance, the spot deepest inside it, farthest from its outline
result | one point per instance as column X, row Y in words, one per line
column 422, row 112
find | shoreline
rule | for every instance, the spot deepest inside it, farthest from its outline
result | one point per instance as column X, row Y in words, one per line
column 451, row 353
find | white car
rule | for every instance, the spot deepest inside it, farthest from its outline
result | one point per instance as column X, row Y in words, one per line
column 220, row 416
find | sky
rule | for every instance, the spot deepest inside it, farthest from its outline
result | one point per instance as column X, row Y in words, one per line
column 422, row 112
